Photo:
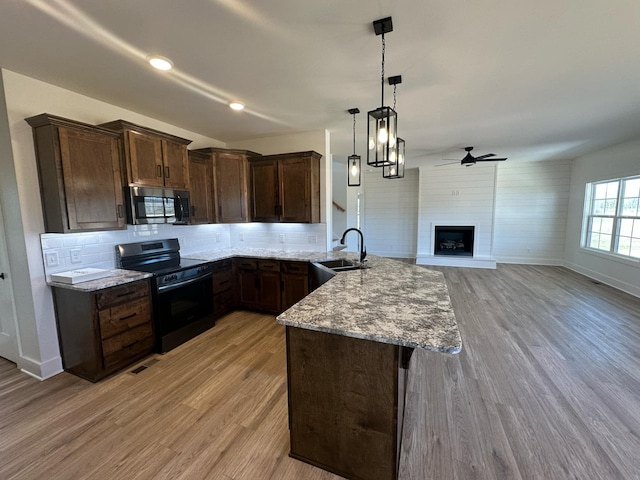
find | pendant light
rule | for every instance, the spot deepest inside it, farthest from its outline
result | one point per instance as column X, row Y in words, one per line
column 382, row 122
column 354, row 166
column 395, row 166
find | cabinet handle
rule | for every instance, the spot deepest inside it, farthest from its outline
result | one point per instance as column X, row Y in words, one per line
column 282, row 285
column 166, row 172
column 223, row 283
column 129, row 345
column 128, row 317
column 159, row 170
column 125, row 294
column 219, row 211
column 2, row 276
column 120, row 210
column 193, row 210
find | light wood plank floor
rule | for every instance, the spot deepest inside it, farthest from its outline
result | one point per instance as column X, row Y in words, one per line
column 546, row 387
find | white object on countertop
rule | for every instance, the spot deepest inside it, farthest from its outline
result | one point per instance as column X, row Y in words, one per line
column 79, row 276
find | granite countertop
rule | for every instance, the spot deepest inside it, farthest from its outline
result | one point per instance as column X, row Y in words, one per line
column 117, row 277
column 265, row 253
column 390, row 302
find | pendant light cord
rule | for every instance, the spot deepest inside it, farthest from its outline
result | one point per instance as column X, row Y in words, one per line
column 354, row 134
column 382, row 77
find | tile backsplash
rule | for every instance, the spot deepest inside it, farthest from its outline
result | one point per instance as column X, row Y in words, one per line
column 71, row 251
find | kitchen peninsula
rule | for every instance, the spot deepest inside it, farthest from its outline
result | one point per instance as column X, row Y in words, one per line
column 349, row 346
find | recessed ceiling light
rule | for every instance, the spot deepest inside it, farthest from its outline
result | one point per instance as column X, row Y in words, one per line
column 161, row 63
column 236, row 106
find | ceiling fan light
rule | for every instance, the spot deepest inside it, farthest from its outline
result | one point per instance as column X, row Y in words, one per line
column 237, row 106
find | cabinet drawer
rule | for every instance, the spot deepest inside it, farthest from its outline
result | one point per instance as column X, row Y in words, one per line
column 247, row 264
column 127, row 345
column 124, row 316
column 222, row 265
column 301, row 268
column 222, row 281
column 269, row 265
column 122, row 293
column 223, row 303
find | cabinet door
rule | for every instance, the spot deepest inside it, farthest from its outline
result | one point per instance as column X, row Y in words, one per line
column 176, row 165
column 248, row 288
column 294, row 189
column 270, row 290
column 145, row 158
column 264, row 191
column 92, row 180
column 230, row 172
column 201, row 189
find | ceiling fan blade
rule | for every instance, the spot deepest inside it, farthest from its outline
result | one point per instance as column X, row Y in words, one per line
column 450, row 163
column 490, row 159
column 486, row 156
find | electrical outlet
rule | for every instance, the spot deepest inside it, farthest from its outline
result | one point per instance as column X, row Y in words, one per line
column 217, row 238
column 75, row 255
column 242, row 237
column 312, row 239
column 52, row 259
column 282, row 238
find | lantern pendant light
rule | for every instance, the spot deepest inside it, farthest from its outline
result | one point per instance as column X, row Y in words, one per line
column 354, row 166
column 395, row 166
column 383, row 121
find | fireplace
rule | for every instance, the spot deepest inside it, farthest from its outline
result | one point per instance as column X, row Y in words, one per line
column 453, row 241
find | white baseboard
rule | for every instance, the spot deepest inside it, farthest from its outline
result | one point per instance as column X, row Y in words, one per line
column 454, row 261
column 556, row 262
column 38, row 370
column 612, row 282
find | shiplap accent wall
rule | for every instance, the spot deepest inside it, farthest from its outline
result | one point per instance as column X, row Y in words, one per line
column 390, row 213
column 532, row 200
column 456, row 196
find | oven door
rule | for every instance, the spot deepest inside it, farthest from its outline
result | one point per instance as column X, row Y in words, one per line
column 182, row 311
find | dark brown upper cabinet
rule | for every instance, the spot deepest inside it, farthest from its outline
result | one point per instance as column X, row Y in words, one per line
column 201, row 187
column 79, row 168
column 231, row 181
column 153, row 158
column 286, row 188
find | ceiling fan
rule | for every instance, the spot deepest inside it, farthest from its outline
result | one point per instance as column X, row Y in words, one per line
column 469, row 160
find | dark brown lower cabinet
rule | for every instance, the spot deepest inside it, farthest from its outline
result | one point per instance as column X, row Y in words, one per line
column 104, row 331
column 258, row 284
column 295, row 282
column 224, row 291
column 346, row 396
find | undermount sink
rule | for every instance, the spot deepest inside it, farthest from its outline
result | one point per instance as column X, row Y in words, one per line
column 339, row 265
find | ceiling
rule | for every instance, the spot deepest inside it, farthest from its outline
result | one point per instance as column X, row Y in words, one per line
column 528, row 80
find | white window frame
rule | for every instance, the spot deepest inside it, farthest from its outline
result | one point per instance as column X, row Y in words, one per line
column 617, row 218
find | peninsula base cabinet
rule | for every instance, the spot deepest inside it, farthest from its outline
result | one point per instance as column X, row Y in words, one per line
column 104, row 331
column 346, row 403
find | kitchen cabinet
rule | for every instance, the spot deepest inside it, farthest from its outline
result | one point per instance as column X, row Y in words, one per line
column 224, row 298
column 153, row 158
column 258, row 284
column 286, row 188
column 231, row 183
column 295, row 282
column 79, row 169
column 201, row 187
column 104, row 331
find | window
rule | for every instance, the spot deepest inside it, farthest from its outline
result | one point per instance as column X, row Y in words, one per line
column 612, row 216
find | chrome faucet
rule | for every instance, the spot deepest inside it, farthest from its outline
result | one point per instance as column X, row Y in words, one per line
column 361, row 247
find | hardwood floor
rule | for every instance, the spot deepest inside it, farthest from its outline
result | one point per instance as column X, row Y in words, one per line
column 547, row 387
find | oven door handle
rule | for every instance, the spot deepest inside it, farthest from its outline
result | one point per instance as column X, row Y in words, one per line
column 173, row 286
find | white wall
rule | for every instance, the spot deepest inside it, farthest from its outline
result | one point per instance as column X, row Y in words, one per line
column 622, row 160
column 390, row 213
column 532, row 199
column 339, row 190
column 452, row 195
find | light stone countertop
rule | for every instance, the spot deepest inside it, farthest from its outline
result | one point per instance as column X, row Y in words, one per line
column 389, row 302
column 117, row 277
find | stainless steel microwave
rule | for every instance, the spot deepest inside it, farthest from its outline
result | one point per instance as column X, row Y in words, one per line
column 149, row 205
